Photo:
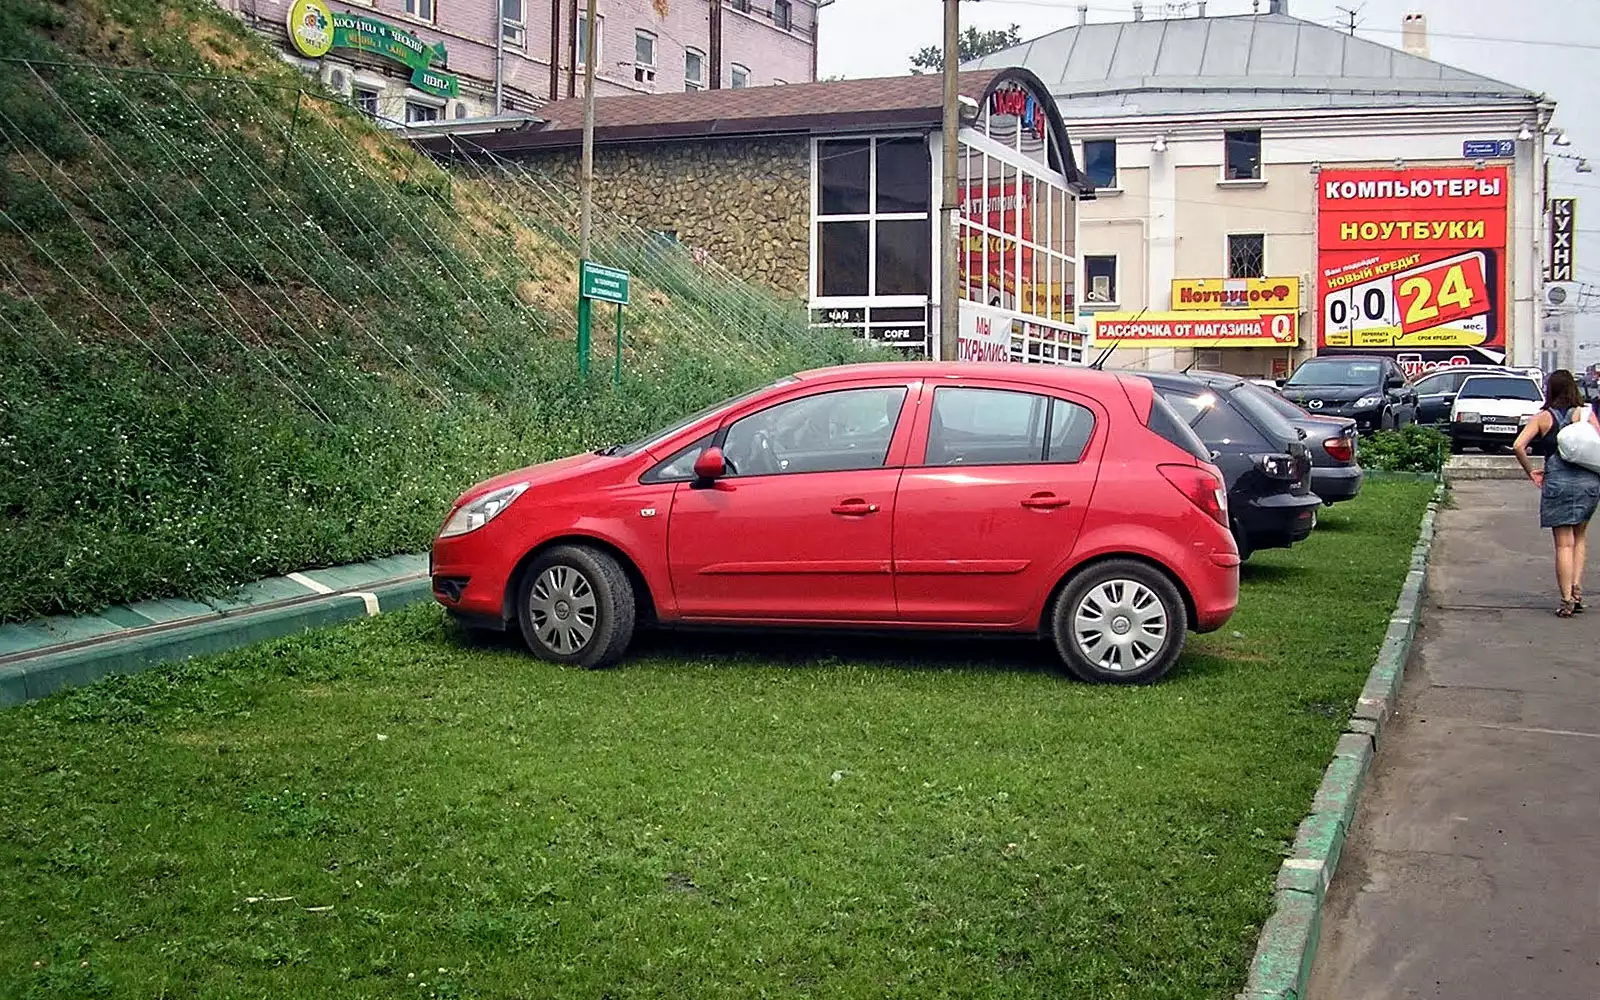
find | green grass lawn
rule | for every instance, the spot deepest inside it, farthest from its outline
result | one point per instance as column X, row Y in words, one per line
column 394, row 809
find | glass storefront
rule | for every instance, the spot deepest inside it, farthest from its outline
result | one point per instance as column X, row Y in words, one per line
column 874, row 242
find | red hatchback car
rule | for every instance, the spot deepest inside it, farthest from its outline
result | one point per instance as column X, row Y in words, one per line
column 1067, row 503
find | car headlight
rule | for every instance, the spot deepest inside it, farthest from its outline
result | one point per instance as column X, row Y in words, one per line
column 1366, row 401
column 1467, row 417
column 474, row 515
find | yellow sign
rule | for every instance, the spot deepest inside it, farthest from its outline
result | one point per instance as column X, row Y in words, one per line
column 1216, row 328
column 311, row 28
column 1253, row 294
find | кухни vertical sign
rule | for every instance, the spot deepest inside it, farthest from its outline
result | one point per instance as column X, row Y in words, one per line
column 1412, row 259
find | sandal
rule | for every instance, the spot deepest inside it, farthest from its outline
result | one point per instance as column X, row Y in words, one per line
column 1566, row 609
column 1577, row 599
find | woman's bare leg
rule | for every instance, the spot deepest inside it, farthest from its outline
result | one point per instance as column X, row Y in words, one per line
column 1566, row 544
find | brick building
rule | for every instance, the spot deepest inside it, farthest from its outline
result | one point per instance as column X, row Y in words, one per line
column 426, row 60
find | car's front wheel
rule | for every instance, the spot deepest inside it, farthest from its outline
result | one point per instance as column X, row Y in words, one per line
column 577, row 607
column 1119, row 622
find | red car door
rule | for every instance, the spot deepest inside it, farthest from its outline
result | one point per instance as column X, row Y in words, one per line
column 991, row 501
column 799, row 529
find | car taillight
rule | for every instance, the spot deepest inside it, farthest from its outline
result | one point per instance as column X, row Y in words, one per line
column 1203, row 488
column 1277, row 466
column 1340, row 449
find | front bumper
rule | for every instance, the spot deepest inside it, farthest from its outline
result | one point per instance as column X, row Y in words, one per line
column 1335, row 483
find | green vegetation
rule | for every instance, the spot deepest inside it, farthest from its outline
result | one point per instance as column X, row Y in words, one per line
column 1413, row 448
column 246, row 332
column 396, row 809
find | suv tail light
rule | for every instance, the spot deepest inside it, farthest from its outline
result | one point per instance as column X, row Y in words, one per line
column 1203, row 488
column 1340, row 449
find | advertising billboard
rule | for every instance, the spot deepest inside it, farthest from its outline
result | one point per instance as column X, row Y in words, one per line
column 1254, row 294
column 1413, row 260
column 1203, row 330
column 997, row 268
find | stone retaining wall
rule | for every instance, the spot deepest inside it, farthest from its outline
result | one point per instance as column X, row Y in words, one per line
column 747, row 201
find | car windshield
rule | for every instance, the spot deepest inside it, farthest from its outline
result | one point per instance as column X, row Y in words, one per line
column 651, row 440
column 1501, row 387
column 1330, row 372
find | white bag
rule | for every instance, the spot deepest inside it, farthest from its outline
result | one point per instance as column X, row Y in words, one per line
column 1579, row 443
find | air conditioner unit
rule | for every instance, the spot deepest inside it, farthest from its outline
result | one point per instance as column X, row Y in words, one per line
column 337, row 79
column 1561, row 296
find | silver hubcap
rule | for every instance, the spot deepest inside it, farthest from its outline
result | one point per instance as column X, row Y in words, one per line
column 1120, row 625
column 563, row 608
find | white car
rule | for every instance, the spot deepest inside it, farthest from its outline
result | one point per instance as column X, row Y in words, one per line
column 1491, row 408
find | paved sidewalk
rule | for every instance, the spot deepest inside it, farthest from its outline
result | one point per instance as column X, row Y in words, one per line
column 1473, row 868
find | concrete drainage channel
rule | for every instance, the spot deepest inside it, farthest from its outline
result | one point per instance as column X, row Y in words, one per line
column 1287, row 947
column 40, row 658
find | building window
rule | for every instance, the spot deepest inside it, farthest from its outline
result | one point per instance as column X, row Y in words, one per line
column 874, row 234
column 1100, row 162
column 644, row 57
column 694, row 70
column 421, row 112
column 782, row 16
column 1018, row 238
column 1247, row 255
column 512, row 26
column 738, row 76
column 421, row 10
column 743, row 6
column 1242, row 153
column 599, row 39
column 1100, row 275
column 365, row 101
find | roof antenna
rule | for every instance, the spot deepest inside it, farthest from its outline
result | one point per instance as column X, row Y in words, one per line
column 1099, row 363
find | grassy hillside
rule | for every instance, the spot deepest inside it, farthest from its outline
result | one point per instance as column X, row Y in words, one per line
column 246, row 332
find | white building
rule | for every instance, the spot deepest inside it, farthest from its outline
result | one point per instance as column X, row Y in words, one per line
column 1376, row 200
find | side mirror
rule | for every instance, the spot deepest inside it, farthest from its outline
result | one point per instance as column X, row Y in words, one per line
column 710, row 466
column 1215, row 454
column 1279, row 382
column 1394, row 383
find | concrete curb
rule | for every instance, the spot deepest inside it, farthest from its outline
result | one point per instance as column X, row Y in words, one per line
column 1281, row 968
column 76, row 661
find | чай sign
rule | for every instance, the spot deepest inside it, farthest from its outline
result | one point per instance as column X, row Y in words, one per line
column 1563, row 217
column 607, row 284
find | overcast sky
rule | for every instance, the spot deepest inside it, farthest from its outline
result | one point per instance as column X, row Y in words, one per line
column 1551, row 46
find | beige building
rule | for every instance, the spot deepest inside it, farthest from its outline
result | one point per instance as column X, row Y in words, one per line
column 1268, row 188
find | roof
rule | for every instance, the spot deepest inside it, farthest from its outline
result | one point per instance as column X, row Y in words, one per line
column 899, row 102
column 1243, row 63
column 1080, row 376
column 832, row 106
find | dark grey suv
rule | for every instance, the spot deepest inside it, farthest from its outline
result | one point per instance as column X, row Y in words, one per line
column 1372, row 391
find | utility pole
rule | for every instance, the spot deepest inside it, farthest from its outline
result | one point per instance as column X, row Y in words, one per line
column 950, row 257
column 555, row 50
column 715, row 45
column 586, row 181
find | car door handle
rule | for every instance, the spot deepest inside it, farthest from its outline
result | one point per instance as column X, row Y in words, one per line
column 1045, row 501
column 854, row 508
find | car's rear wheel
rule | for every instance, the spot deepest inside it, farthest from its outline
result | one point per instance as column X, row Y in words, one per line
column 577, row 607
column 1241, row 540
column 1119, row 622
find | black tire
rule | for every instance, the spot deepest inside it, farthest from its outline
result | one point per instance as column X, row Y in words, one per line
column 1088, row 592
column 576, row 579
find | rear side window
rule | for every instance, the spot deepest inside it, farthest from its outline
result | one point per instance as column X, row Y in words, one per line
column 1257, row 404
column 999, row 427
column 1214, row 419
column 1166, row 422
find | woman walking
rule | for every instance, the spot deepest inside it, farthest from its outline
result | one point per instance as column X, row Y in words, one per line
column 1568, row 494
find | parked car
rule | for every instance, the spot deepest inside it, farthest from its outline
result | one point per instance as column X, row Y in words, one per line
column 1490, row 409
column 1373, row 391
column 1263, row 458
column 1334, row 445
column 896, row 496
column 1436, row 391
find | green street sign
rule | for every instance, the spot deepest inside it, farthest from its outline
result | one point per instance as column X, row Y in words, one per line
column 608, row 284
